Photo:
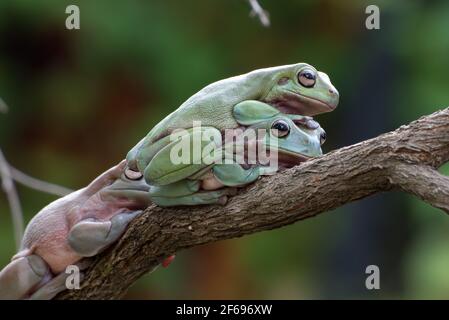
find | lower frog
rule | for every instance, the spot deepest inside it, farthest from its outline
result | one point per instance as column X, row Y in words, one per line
column 293, row 138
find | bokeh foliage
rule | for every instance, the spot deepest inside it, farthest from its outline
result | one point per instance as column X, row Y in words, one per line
column 79, row 100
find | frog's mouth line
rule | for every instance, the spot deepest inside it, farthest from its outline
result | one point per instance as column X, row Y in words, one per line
column 294, row 103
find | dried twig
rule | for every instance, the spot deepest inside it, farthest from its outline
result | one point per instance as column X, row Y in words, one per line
column 3, row 106
column 37, row 184
column 13, row 199
column 11, row 191
column 8, row 174
column 258, row 11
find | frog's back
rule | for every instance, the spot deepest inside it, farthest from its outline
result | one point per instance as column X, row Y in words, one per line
column 212, row 106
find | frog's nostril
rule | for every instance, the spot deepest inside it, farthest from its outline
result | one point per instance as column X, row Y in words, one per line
column 331, row 91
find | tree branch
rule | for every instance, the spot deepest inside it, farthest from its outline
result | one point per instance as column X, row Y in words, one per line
column 424, row 182
column 404, row 159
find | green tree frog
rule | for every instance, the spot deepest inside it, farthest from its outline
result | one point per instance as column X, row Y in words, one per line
column 292, row 89
column 292, row 138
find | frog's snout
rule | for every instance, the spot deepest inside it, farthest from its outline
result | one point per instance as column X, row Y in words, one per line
column 334, row 98
column 312, row 148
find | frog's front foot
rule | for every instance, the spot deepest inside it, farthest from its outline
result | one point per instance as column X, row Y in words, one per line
column 89, row 237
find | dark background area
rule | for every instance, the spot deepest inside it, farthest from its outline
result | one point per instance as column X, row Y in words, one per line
column 80, row 99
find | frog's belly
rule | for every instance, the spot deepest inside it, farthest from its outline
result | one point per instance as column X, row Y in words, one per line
column 46, row 236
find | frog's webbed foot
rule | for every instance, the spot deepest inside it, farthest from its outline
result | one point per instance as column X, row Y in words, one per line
column 21, row 276
column 89, row 237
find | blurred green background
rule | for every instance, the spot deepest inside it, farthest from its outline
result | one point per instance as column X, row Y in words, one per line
column 79, row 100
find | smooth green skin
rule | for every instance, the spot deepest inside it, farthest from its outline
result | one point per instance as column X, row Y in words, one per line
column 213, row 105
column 173, row 185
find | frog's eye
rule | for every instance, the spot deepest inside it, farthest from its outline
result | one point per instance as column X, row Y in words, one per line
column 323, row 137
column 307, row 78
column 132, row 175
column 280, row 128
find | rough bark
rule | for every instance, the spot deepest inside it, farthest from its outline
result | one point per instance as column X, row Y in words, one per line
column 405, row 159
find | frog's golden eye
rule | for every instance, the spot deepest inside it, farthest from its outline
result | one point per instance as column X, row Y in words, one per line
column 280, row 128
column 132, row 175
column 323, row 137
column 307, row 78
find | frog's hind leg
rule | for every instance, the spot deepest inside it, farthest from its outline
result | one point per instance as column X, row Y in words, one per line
column 181, row 159
column 202, row 197
column 58, row 283
column 87, row 238
column 21, row 276
column 52, row 286
column 187, row 193
column 29, row 277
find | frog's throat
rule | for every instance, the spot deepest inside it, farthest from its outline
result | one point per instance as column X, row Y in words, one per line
column 290, row 159
column 293, row 103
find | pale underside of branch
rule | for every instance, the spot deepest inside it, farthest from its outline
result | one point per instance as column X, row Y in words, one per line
column 405, row 159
